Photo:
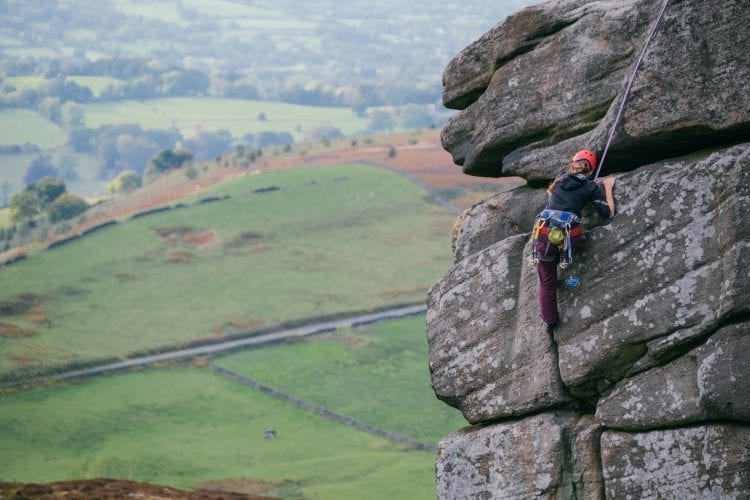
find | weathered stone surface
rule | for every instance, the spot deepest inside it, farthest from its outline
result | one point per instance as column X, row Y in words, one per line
column 656, row 337
column 530, row 458
column 496, row 218
column 711, row 382
column 711, row 461
column 664, row 273
column 549, row 80
column 587, row 468
column 489, row 357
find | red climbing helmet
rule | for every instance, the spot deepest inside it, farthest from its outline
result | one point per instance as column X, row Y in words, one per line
column 587, row 155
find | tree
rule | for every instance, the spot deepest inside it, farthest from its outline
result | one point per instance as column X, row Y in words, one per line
column 415, row 116
column 126, row 181
column 380, row 119
column 48, row 189
column 66, row 206
column 73, row 115
column 324, row 131
column 208, row 144
column 81, row 139
column 167, row 160
column 24, row 205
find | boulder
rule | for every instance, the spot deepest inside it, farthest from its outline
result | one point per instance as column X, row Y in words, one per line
column 550, row 79
column 529, row 458
column 711, row 461
column 643, row 389
column 496, row 218
column 711, row 382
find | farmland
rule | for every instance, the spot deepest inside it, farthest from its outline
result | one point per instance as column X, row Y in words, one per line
column 284, row 244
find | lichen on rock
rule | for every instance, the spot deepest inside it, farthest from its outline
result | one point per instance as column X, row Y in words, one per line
column 643, row 388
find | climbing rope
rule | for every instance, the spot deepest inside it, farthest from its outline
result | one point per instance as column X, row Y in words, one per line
column 627, row 87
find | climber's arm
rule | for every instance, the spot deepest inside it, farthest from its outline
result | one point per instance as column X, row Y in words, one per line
column 609, row 183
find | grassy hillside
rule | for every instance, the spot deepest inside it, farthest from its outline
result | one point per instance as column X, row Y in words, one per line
column 284, row 245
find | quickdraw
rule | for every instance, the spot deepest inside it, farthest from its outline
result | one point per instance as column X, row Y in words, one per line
column 557, row 226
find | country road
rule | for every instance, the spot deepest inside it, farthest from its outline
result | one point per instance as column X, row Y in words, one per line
column 255, row 341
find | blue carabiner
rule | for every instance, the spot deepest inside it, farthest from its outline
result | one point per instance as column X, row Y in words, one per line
column 572, row 282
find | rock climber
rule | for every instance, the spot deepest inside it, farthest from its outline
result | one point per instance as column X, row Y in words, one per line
column 557, row 230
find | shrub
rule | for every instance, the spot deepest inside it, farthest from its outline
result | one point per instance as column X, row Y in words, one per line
column 67, row 206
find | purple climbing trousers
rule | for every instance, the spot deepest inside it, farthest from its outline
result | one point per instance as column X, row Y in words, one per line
column 546, row 268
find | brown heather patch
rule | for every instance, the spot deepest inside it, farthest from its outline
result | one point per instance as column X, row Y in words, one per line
column 243, row 486
column 28, row 356
column 199, row 239
column 200, row 362
column 172, row 234
column 239, row 323
column 121, row 488
column 11, row 331
column 186, row 235
column 244, row 239
column 178, row 256
column 19, row 304
column 36, row 315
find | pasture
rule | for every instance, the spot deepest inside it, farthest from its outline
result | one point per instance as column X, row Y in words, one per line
column 377, row 374
column 188, row 427
column 239, row 116
column 285, row 245
column 19, row 126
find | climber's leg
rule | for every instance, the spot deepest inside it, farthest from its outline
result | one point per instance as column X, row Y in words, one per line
column 547, row 271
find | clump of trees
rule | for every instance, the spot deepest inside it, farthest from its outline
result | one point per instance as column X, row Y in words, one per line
column 125, row 182
column 166, row 160
column 47, row 197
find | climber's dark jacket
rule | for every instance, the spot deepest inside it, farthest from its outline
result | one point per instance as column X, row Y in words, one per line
column 573, row 191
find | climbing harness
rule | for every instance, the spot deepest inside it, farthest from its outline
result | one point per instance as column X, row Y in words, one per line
column 628, row 86
column 559, row 228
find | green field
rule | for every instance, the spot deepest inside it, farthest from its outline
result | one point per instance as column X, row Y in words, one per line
column 238, row 116
column 18, row 126
column 184, row 427
column 327, row 240
column 376, row 374
column 26, row 82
